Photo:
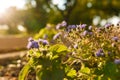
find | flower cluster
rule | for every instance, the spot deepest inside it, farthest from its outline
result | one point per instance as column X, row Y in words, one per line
column 79, row 52
column 35, row 44
column 61, row 25
column 99, row 53
column 84, row 39
column 32, row 44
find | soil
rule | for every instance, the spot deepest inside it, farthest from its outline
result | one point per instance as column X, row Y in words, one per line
column 11, row 64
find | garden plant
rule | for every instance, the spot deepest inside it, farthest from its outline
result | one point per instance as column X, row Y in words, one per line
column 76, row 52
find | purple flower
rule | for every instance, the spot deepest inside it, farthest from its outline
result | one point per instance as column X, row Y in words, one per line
column 85, row 33
column 83, row 26
column 115, row 39
column 33, row 44
column 44, row 42
column 90, row 33
column 64, row 23
column 58, row 26
column 56, row 36
column 99, row 53
column 107, row 25
column 71, row 27
column 117, row 61
column 30, row 39
column 29, row 45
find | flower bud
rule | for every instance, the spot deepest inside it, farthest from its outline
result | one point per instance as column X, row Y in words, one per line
column 100, row 53
column 56, row 36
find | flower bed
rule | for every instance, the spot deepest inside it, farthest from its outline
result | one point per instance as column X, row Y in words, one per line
column 77, row 52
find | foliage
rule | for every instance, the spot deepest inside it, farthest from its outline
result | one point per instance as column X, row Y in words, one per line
column 81, row 52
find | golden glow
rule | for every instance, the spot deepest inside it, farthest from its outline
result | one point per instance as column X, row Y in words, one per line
column 4, row 4
column 21, row 28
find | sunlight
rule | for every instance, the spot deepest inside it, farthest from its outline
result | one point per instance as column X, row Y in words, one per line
column 4, row 4
column 114, row 20
column 21, row 28
column 59, row 3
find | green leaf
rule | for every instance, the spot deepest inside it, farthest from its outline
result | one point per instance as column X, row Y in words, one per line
column 55, row 57
column 85, row 70
column 72, row 73
column 37, row 54
column 110, row 69
column 24, row 72
column 54, row 74
column 58, row 48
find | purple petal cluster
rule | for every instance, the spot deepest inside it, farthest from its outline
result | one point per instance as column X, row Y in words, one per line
column 107, row 25
column 44, row 42
column 71, row 27
column 90, row 33
column 99, row 53
column 56, row 36
column 115, row 38
column 64, row 23
column 32, row 44
column 30, row 39
column 117, row 61
column 85, row 33
column 58, row 26
column 61, row 25
column 83, row 26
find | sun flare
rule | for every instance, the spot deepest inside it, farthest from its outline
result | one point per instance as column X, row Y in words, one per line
column 4, row 4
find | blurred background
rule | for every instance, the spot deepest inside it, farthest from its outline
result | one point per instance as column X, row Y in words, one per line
column 29, row 16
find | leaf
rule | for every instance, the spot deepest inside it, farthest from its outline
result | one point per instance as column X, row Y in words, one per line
column 72, row 73
column 58, row 48
column 24, row 72
column 55, row 57
column 85, row 70
column 37, row 54
column 54, row 74
column 110, row 69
